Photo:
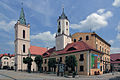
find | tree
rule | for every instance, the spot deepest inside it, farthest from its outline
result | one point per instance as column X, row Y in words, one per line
column 71, row 62
column 39, row 60
column 28, row 61
column 52, row 64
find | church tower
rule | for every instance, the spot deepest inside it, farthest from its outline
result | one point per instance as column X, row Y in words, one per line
column 63, row 36
column 22, row 41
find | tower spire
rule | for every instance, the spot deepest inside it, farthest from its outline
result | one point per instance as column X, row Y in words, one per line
column 22, row 16
column 63, row 8
column 63, row 16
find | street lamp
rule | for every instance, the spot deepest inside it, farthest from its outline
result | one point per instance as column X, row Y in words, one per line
column 58, row 62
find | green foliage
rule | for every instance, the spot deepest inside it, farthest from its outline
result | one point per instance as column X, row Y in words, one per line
column 52, row 62
column 28, row 61
column 71, row 62
column 39, row 60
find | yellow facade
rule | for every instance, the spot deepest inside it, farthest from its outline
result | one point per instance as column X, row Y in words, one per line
column 86, row 62
column 96, row 42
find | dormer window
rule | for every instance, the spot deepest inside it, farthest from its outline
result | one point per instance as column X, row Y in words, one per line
column 45, row 54
column 72, row 48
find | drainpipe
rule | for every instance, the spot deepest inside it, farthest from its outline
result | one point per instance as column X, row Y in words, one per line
column 89, row 61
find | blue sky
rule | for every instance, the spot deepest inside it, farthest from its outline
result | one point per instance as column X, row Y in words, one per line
column 102, row 16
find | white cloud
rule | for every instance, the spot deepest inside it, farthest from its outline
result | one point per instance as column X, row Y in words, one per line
column 7, row 26
column 118, row 30
column 100, row 11
column 115, row 50
column 45, row 36
column 94, row 21
column 118, row 27
column 111, row 41
column 118, row 36
column 116, row 3
column 45, row 39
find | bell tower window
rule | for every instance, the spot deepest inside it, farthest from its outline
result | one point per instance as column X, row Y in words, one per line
column 23, row 48
column 59, row 30
column 67, row 23
column 24, row 34
column 59, row 23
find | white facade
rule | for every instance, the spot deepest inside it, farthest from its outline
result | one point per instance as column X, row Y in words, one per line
column 7, row 62
column 22, row 44
column 63, row 36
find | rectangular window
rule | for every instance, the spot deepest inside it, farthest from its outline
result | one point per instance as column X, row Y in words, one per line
column 81, row 57
column 60, row 59
column 81, row 68
column 87, row 37
column 24, row 48
column 45, row 61
column 23, row 33
column 45, row 68
column 96, row 46
column 74, row 40
column 66, row 57
column 100, row 58
column 100, row 48
column 100, row 68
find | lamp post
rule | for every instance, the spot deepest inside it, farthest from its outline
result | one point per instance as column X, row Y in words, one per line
column 58, row 67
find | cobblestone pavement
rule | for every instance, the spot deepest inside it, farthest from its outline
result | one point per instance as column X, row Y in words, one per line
column 12, row 75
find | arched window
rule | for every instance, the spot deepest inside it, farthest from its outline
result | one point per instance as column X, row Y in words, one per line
column 87, row 37
column 59, row 23
column 23, row 33
column 23, row 48
column 67, row 23
column 6, row 58
column 74, row 40
column 80, row 38
column 72, row 48
column 59, row 30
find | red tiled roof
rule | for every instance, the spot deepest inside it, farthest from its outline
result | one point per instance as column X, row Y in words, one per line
column 115, row 56
column 114, row 62
column 79, row 46
column 1, row 55
column 48, row 52
column 12, row 55
column 7, row 54
column 34, row 50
